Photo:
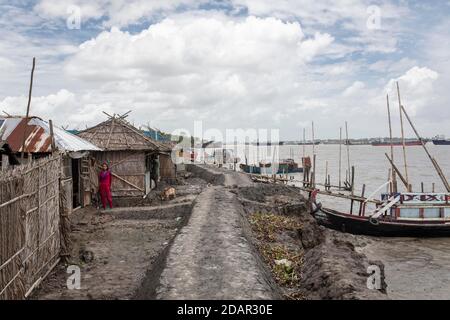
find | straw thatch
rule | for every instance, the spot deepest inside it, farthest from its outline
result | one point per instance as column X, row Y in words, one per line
column 29, row 226
column 116, row 134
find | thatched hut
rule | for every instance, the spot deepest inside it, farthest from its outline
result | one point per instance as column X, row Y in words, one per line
column 135, row 160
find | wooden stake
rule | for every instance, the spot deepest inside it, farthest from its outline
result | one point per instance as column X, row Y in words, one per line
column 340, row 157
column 348, row 146
column 433, row 160
column 361, row 204
column 304, row 142
column 398, row 172
column 394, row 178
column 403, row 138
column 52, row 136
column 313, row 141
column 389, row 188
column 353, row 180
column 28, row 109
column 313, row 174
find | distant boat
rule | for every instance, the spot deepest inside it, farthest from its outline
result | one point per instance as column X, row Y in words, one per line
column 284, row 167
column 409, row 143
column 309, row 143
column 441, row 141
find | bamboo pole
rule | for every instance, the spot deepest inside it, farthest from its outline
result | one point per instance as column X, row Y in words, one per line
column 52, row 136
column 433, row 160
column 389, row 187
column 348, row 146
column 340, row 157
column 353, row 180
column 398, row 172
column 313, row 140
column 394, row 178
column 304, row 142
column 403, row 138
column 28, row 109
column 362, row 204
column 313, row 179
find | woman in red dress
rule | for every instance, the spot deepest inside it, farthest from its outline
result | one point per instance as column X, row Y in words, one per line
column 104, row 183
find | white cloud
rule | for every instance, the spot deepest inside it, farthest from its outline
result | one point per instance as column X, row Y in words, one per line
column 196, row 45
column 354, row 88
column 416, row 88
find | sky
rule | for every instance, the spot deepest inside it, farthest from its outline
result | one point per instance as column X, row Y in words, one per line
column 232, row 64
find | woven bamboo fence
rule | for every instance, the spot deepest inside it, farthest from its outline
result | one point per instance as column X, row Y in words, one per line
column 30, row 231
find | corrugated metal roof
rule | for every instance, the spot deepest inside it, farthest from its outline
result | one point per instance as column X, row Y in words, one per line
column 37, row 138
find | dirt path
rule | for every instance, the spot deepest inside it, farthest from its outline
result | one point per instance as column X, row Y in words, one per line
column 211, row 258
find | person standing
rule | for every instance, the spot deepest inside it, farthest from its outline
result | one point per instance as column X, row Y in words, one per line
column 155, row 170
column 104, row 183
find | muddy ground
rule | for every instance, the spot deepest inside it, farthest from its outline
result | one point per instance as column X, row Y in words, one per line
column 223, row 237
column 118, row 250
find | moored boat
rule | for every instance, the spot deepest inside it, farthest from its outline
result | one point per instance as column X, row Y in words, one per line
column 283, row 167
column 399, row 215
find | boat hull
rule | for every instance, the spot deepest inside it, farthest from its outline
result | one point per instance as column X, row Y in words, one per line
column 362, row 226
column 397, row 144
column 268, row 170
column 441, row 142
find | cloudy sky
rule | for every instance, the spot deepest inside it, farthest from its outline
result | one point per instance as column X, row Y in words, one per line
column 230, row 63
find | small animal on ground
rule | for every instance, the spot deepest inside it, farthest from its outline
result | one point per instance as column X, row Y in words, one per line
column 168, row 194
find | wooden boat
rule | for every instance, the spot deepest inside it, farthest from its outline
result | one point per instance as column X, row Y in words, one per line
column 401, row 215
column 397, row 214
column 283, row 167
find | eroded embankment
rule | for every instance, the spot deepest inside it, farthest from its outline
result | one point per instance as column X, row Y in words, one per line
column 307, row 260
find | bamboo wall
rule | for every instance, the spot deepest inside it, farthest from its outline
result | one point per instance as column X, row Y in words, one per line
column 29, row 226
column 167, row 168
column 129, row 166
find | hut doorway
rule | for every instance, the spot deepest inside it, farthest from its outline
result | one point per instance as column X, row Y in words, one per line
column 76, row 168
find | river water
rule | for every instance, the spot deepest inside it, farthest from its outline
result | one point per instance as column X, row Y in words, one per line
column 415, row 268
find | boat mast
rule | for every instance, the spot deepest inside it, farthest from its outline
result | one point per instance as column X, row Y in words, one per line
column 403, row 139
column 347, row 142
column 314, row 158
column 394, row 177
column 304, row 142
column 340, row 157
column 433, row 160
